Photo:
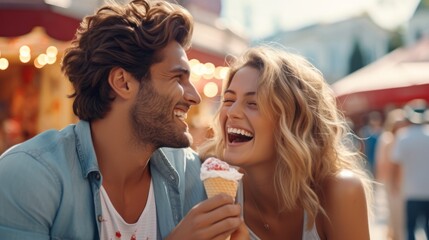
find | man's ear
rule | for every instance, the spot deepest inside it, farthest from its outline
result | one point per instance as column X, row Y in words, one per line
column 122, row 83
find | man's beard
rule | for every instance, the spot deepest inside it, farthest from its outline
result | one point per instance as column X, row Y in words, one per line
column 153, row 121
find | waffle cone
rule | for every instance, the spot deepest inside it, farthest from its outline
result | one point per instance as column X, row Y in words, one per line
column 218, row 185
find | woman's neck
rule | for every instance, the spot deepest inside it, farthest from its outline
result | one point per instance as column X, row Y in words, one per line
column 262, row 209
column 260, row 189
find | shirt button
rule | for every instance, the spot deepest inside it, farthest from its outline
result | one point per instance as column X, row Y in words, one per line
column 171, row 177
column 97, row 176
column 100, row 218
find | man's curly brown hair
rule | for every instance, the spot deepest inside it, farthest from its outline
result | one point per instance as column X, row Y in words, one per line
column 127, row 36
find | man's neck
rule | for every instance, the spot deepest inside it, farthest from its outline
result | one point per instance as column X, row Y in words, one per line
column 120, row 158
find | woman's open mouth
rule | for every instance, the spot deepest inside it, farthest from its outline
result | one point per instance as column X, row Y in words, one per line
column 236, row 135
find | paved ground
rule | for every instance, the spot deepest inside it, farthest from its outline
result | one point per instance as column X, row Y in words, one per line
column 381, row 213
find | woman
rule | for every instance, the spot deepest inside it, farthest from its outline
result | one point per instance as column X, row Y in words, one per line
column 279, row 123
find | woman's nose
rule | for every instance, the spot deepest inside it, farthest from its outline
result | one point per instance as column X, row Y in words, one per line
column 234, row 111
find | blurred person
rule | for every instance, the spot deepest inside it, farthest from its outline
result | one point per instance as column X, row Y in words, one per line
column 395, row 120
column 370, row 133
column 13, row 132
column 352, row 140
column 99, row 178
column 278, row 122
column 24, row 109
column 411, row 154
column 3, row 143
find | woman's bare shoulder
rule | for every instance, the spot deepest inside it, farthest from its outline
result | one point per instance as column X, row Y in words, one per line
column 343, row 185
column 346, row 207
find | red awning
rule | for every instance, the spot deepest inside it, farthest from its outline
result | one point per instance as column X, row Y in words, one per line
column 395, row 79
column 18, row 22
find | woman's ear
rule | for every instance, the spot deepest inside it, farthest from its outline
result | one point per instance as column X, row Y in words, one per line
column 122, row 83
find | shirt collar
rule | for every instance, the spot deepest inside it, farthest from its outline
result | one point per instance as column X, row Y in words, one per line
column 85, row 148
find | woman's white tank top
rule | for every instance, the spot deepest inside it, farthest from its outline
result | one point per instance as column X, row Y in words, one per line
column 310, row 234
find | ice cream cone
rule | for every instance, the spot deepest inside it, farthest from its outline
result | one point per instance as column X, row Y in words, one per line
column 219, row 177
column 218, row 185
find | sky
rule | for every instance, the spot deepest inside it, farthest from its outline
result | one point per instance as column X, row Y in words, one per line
column 263, row 17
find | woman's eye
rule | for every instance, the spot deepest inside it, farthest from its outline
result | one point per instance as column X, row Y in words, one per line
column 252, row 104
column 228, row 101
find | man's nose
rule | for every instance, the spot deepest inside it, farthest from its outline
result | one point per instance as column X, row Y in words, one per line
column 191, row 94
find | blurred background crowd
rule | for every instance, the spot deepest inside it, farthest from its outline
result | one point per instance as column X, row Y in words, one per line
column 374, row 54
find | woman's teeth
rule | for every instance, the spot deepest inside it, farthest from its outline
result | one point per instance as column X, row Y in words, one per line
column 240, row 131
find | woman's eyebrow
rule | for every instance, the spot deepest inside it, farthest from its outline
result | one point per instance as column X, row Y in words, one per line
column 233, row 92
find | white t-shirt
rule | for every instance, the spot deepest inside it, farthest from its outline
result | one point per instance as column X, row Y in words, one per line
column 113, row 225
column 411, row 151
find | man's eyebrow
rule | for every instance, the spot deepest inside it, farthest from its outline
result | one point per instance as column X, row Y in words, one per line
column 180, row 69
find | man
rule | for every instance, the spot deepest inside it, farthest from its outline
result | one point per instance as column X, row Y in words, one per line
column 107, row 177
column 411, row 154
column 370, row 134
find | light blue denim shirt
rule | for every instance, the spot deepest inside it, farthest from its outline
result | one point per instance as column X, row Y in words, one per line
column 49, row 187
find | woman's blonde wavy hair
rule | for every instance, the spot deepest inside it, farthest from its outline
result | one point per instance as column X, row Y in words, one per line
column 311, row 132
